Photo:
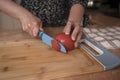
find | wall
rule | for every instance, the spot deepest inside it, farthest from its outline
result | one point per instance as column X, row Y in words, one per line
column 7, row 22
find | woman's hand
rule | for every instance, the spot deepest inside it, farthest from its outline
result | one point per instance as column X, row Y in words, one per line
column 31, row 24
column 73, row 25
column 75, row 30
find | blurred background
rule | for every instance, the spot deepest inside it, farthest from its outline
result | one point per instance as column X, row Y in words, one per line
column 101, row 12
column 108, row 7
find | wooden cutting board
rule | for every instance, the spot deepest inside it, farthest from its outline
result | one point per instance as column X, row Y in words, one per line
column 26, row 58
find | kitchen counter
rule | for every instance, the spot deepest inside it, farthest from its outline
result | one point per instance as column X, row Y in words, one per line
column 98, row 20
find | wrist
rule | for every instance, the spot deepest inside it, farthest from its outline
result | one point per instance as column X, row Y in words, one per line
column 76, row 13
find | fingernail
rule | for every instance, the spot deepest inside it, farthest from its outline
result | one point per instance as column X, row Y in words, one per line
column 35, row 33
column 67, row 33
column 29, row 24
column 41, row 29
column 73, row 38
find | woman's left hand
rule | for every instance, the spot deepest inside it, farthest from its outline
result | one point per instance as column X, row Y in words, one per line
column 75, row 29
column 73, row 26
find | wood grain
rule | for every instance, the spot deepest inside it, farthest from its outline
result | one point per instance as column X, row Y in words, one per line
column 99, row 20
column 11, row 64
column 31, row 58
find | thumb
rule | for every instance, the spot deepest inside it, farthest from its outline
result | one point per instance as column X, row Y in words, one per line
column 67, row 28
column 40, row 27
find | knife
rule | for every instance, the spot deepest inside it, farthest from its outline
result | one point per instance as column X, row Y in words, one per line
column 103, row 56
column 47, row 40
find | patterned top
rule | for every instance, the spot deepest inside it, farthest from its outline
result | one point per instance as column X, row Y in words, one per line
column 52, row 12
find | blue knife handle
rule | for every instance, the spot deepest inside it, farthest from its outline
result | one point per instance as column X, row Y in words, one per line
column 47, row 40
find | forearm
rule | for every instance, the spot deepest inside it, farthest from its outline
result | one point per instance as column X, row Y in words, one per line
column 76, row 13
column 12, row 9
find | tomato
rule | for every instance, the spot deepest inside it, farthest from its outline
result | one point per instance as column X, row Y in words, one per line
column 55, row 45
column 66, row 40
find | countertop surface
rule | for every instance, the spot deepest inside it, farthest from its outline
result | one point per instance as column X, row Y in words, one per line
column 98, row 20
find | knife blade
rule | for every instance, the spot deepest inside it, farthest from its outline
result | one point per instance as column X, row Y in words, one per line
column 47, row 40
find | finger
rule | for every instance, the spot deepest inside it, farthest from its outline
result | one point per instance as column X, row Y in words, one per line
column 78, row 39
column 67, row 28
column 75, row 32
column 41, row 29
column 30, row 30
column 35, row 29
column 24, row 27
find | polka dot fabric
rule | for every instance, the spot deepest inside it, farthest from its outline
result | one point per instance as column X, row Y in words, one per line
column 52, row 12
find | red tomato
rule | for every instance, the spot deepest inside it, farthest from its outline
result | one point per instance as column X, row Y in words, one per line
column 66, row 40
column 55, row 45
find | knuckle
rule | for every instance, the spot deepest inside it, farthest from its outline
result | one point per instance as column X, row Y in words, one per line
column 34, row 23
column 69, row 23
column 24, row 28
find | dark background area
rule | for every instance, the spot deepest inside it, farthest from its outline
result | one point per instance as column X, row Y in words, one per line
column 108, row 7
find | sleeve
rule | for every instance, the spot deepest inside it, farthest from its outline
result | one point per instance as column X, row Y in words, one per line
column 82, row 2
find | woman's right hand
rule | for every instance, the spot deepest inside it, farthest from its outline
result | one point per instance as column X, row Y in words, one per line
column 31, row 24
